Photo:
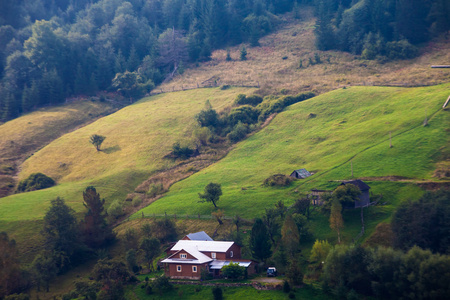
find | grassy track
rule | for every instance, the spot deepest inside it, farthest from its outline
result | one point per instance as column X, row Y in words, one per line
column 137, row 139
column 348, row 124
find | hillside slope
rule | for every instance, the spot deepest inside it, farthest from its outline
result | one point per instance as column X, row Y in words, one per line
column 322, row 135
column 137, row 139
column 23, row 136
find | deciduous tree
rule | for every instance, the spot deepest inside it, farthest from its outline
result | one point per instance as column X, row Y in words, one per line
column 259, row 241
column 336, row 220
column 97, row 140
column 212, row 193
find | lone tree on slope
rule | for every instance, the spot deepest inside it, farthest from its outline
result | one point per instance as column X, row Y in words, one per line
column 97, row 140
column 212, row 193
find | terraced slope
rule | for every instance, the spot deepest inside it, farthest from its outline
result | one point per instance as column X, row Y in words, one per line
column 137, row 139
column 323, row 135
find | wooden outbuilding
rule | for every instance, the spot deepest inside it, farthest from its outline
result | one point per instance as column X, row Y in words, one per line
column 300, row 174
column 364, row 198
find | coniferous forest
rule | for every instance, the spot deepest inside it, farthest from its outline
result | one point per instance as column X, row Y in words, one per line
column 50, row 50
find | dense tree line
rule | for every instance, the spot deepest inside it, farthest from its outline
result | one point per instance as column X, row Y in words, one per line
column 374, row 28
column 52, row 49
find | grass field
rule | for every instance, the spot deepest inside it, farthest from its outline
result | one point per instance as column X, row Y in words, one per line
column 137, row 139
column 349, row 124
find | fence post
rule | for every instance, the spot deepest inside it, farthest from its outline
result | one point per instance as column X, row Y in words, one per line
column 199, row 216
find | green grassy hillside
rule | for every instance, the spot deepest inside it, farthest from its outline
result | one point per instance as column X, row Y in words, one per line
column 137, row 139
column 322, row 135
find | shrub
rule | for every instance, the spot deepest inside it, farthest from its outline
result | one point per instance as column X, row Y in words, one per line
column 162, row 284
column 217, row 293
column 136, row 201
column 238, row 133
column 253, row 100
column 182, row 152
column 278, row 180
column 115, row 209
column 279, row 104
column 205, row 275
column 401, row 50
column 286, row 287
column 291, row 295
column 149, row 290
column 246, row 114
column 155, row 189
column 36, row 181
column 233, row 271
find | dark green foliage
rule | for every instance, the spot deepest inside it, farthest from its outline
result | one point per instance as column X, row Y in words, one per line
column 9, row 266
column 212, row 193
column 61, row 233
column 400, row 50
column 44, row 269
column 286, row 287
column 238, row 133
column 182, row 152
column 243, row 53
column 260, row 241
column 253, row 100
column 217, row 293
column 279, row 104
column 95, row 230
column 21, row 296
column 161, row 284
column 208, row 117
column 425, row 223
column 246, row 114
column 294, row 273
column 278, row 180
column 165, row 230
column 96, row 140
column 150, row 248
column 233, row 271
column 36, row 181
column 346, row 195
column 112, row 275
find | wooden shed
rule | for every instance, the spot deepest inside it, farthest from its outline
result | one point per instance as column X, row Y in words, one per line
column 300, row 174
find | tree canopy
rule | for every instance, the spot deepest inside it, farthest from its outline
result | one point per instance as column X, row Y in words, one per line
column 212, row 193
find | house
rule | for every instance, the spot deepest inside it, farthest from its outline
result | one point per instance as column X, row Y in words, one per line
column 364, row 198
column 198, row 236
column 300, row 174
column 188, row 258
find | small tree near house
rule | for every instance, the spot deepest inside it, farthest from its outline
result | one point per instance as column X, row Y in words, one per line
column 97, row 140
column 212, row 193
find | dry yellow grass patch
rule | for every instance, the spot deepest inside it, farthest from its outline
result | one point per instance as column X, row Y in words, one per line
column 275, row 65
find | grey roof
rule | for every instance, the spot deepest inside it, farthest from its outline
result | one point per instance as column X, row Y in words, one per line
column 199, row 236
column 359, row 183
column 303, row 173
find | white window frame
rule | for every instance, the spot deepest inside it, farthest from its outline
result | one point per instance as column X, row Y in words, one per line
column 194, row 269
column 231, row 253
column 178, row 268
column 213, row 254
column 184, row 255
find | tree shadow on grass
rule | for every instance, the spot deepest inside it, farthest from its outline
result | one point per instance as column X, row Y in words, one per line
column 112, row 149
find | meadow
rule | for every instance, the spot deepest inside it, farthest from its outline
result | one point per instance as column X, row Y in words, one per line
column 323, row 135
column 137, row 139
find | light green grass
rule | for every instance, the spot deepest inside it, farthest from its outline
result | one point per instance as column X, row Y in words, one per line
column 137, row 139
column 349, row 124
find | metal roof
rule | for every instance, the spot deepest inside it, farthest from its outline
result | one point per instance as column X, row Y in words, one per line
column 359, row 183
column 199, row 236
column 203, row 246
column 200, row 258
column 219, row 264
column 303, row 173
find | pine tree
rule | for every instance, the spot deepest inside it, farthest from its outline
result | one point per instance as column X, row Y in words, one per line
column 259, row 241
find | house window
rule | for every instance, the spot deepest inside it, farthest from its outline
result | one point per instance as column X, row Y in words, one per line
column 213, row 255
column 194, row 269
column 178, row 268
column 231, row 253
column 183, row 256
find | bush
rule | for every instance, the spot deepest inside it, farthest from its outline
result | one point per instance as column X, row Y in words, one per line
column 401, row 50
column 155, row 189
column 217, row 293
column 253, row 100
column 286, row 287
column 181, row 152
column 238, row 133
column 291, row 295
column 149, row 290
column 246, row 114
column 278, row 180
column 205, row 275
column 36, row 181
column 162, row 284
column 115, row 209
column 279, row 104
column 233, row 271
